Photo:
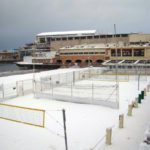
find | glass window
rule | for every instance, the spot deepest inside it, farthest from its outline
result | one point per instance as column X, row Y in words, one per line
column 113, row 52
column 127, row 52
column 139, row 52
column 42, row 40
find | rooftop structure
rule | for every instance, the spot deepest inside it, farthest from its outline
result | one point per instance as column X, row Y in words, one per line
column 57, row 40
column 67, row 33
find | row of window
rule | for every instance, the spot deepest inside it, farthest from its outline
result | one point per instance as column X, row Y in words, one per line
column 83, row 53
column 42, row 40
column 128, row 52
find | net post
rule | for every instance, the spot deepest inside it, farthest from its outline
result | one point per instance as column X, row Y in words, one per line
column 43, row 119
column 65, row 132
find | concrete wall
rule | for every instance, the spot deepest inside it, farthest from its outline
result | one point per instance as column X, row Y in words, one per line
column 139, row 37
column 60, row 44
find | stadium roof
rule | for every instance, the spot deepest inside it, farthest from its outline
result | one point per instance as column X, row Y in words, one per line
column 65, row 33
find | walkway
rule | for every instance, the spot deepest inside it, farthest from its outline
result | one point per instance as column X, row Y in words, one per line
column 131, row 136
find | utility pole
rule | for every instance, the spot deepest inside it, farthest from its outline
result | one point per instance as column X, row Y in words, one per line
column 65, row 132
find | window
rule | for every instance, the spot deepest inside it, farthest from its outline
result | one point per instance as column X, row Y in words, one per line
column 64, row 38
column 102, row 36
column 109, row 36
column 89, row 37
column 83, row 37
column 57, row 39
column 127, row 52
column 76, row 38
column 52, row 39
column 96, row 37
column 70, row 38
column 139, row 52
column 124, row 35
column 117, row 35
column 42, row 40
column 113, row 52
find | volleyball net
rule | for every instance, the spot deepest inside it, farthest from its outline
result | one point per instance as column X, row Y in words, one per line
column 31, row 116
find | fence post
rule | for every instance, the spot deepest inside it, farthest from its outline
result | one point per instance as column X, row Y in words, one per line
column 108, row 136
column 148, row 87
column 136, row 103
column 121, row 120
column 139, row 98
column 129, row 110
column 145, row 92
column 142, row 94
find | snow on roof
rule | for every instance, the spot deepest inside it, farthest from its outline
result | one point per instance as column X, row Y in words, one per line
column 83, row 32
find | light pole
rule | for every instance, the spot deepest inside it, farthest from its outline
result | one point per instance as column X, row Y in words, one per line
column 116, row 66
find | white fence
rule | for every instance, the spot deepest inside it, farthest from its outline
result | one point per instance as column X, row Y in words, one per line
column 15, row 89
column 77, row 87
column 65, row 86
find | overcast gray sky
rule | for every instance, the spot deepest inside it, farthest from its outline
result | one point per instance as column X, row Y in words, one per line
column 21, row 20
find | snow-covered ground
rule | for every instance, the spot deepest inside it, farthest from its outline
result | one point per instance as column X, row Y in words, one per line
column 86, row 124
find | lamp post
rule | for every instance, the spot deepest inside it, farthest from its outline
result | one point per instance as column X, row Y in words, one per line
column 116, row 66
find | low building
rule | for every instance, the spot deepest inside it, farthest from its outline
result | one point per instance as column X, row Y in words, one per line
column 83, row 55
column 129, row 56
column 9, row 56
column 96, row 54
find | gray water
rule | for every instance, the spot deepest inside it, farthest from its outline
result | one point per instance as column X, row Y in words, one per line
column 8, row 67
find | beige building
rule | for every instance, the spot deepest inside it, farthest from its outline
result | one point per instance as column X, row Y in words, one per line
column 130, row 52
column 139, row 38
column 83, row 55
column 58, row 40
column 96, row 54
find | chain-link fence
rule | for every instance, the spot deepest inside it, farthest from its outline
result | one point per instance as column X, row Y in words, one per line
column 14, row 89
column 78, row 86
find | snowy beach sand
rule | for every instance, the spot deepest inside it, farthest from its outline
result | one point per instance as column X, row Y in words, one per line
column 86, row 124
